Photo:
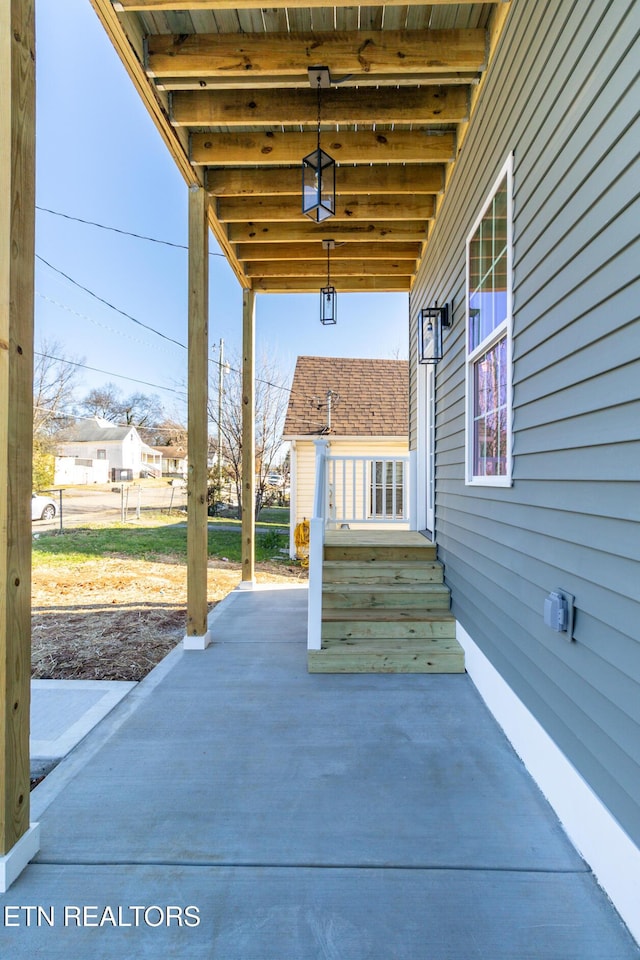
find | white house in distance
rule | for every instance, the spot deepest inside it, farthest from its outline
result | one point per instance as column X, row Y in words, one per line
column 96, row 451
column 174, row 460
column 357, row 410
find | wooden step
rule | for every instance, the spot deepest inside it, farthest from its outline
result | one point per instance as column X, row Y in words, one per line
column 346, row 596
column 412, row 553
column 372, row 571
column 385, row 607
column 399, row 656
column 376, row 538
column 359, row 626
column 377, row 545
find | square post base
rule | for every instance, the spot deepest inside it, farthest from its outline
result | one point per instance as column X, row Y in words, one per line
column 13, row 863
column 196, row 643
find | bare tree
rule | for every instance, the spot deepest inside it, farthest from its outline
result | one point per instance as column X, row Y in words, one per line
column 141, row 410
column 54, row 382
column 168, row 433
column 104, row 402
column 271, row 397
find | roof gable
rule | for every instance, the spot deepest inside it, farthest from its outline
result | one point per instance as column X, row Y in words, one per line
column 94, row 431
column 369, row 398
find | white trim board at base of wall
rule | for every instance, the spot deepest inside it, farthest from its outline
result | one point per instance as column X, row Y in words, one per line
column 24, row 850
column 598, row 837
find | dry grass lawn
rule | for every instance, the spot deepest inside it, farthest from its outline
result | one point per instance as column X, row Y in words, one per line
column 115, row 618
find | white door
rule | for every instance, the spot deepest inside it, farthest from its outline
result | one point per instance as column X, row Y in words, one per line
column 423, row 510
column 429, row 441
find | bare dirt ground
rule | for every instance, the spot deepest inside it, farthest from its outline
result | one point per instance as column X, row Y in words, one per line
column 116, row 618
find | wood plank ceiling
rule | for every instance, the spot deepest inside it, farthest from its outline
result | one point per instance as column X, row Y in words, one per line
column 227, row 84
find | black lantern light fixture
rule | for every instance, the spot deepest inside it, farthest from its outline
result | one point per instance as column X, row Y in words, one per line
column 328, row 295
column 318, row 168
column 431, row 320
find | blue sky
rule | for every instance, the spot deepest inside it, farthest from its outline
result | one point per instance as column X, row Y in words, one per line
column 100, row 158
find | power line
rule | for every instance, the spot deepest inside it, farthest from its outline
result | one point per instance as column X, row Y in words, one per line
column 107, row 304
column 167, row 243
column 96, row 323
column 112, row 423
column 125, row 233
column 146, row 326
column 106, row 373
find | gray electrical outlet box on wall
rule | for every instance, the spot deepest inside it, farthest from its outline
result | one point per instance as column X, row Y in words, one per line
column 559, row 612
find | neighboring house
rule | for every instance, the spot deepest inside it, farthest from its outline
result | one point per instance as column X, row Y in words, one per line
column 360, row 408
column 96, row 451
column 174, row 460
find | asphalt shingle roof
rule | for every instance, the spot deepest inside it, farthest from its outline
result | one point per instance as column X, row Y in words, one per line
column 371, row 397
column 91, row 430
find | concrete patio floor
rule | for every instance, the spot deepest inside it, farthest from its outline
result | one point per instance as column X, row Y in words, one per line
column 345, row 817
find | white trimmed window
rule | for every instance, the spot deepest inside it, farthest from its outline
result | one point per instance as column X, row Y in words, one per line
column 387, row 489
column 488, row 349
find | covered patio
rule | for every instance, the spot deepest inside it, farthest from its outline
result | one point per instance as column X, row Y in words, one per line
column 300, row 816
column 239, row 96
column 235, row 805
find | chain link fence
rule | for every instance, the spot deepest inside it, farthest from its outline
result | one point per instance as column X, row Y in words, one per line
column 120, row 502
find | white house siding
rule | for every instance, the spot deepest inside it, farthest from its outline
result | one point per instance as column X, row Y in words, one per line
column 131, row 454
column 305, row 480
column 562, row 95
column 77, row 470
column 125, row 454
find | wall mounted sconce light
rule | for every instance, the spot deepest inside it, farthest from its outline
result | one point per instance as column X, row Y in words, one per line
column 328, row 295
column 318, row 168
column 431, row 320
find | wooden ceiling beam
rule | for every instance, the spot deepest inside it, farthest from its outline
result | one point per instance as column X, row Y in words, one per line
column 126, row 51
column 313, row 250
column 300, row 80
column 342, row 284
column 283, row 209
column 339, row 105
column 190, row 5
column 391, row 52
column 287, row 181
column 339, row 268
column 345, row 146
column 305, row 230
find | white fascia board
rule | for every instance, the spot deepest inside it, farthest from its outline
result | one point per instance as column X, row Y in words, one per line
column 350, row 438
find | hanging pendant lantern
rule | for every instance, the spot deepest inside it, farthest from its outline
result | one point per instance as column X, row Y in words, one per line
column 318, row 185
column 328, row 295
column 318, row 168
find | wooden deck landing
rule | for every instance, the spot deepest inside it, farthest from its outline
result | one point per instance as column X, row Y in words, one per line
column 368, row 538
column 385, row 607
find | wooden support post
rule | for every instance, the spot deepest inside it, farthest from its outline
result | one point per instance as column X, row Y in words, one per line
column 248, row 439
column 18, row 841
column 197, row 637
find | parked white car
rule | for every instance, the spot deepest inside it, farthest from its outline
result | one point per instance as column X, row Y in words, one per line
column 42, row 508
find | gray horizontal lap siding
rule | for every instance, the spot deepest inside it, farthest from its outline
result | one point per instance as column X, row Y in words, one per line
column 563, row 95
